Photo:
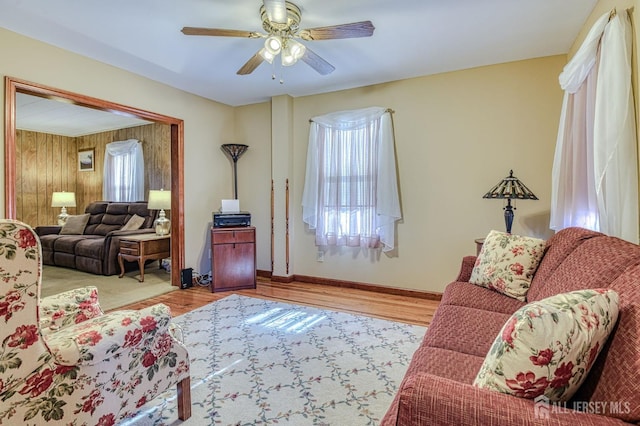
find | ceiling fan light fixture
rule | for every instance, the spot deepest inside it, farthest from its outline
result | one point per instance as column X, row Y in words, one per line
column 273, row 44
column 266, row 55
column 287, row 57
column 281, row 24
column 297, row 49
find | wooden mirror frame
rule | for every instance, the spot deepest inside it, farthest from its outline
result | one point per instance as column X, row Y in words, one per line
column 13, row 86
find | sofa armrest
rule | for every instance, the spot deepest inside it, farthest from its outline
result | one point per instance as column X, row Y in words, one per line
column 465, row 268
column 47, row 230
column 109, row 335
column 67, row 308
column 436, row 401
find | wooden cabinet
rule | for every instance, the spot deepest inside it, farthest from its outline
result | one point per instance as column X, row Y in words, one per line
column 233, row 258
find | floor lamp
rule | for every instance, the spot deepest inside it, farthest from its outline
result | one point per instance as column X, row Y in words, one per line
column 235, row 150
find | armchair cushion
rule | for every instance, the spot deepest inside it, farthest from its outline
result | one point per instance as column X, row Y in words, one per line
column 98, row 339
column 67, row 308
column 548, row 347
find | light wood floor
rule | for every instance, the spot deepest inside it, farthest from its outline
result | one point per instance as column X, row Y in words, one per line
column 411, row 310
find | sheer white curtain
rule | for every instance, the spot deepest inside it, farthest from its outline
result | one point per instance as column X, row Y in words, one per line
column 594, row 178
column 614, row 135
column 123, row 171
column 351, row 190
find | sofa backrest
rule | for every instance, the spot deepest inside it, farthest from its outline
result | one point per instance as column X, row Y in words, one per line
column 614, row 376
column 141, row 210
column 96, row 211
column 577, row 258
column 558, row 247
column 111, row 216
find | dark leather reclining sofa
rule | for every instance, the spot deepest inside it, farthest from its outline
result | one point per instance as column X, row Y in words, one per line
column 96, row 250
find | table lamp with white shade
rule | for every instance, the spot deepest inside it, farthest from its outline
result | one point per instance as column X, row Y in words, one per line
column 64, row 200
column 160, row 200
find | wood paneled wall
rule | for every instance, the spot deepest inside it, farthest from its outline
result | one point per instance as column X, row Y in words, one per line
column 48, row 163
column 45, row 164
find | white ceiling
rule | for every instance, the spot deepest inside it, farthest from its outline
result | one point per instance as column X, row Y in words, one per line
column 66, row 119
column 412, row 38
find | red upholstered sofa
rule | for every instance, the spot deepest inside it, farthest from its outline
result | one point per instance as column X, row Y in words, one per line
column 437, row 388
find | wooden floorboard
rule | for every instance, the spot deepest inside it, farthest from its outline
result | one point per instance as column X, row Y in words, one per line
column 407, row 309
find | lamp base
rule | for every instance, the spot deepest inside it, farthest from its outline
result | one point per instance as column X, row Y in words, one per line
column 508, row 216
column 162, row 225
column 62, row 217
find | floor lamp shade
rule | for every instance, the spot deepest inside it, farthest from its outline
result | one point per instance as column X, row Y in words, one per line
column 510, row 188
column 160, row 200
column 64, row 200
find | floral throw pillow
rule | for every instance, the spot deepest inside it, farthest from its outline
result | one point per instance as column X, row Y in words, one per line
column 547, row 347
column 507, row 263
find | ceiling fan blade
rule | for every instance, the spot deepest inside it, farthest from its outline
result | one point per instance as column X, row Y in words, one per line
column 352, row 30
column 251, row 64
column 219, row 32
column 317, row 63
column 276, row 11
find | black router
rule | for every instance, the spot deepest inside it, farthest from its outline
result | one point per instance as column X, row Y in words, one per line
column 186, row 278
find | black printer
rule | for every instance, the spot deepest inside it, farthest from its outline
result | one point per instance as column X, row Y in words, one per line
column 229, row 219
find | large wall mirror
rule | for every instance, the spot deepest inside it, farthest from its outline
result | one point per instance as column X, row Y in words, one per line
column 19, row 90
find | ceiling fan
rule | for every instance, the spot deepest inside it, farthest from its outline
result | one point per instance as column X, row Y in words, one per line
column 281, row 20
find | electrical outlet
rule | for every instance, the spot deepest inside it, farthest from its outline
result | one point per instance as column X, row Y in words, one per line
column 320, row 256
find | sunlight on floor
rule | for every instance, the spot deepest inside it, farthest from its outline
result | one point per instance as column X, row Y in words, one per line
column 288, row 321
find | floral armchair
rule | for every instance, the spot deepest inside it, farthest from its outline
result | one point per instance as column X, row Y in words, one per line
column 63, row 361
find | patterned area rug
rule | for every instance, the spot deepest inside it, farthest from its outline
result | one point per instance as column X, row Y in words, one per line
column 258, row 362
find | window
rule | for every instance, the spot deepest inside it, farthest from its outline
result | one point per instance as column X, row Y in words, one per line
column 351, row 192
column 123, row 171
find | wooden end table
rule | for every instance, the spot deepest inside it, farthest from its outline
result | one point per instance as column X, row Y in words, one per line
column 143, row 247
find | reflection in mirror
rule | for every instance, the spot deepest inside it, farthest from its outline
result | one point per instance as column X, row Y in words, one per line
column 48, row 132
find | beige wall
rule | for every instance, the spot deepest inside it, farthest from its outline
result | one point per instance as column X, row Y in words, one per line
column 253, row 128
column 207, row 124
column 457, row 134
